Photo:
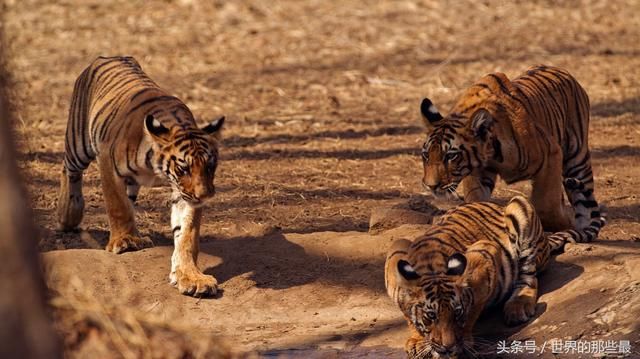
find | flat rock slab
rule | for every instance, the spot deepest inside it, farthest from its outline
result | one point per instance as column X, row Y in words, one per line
column 417, row 210
column 299, row 295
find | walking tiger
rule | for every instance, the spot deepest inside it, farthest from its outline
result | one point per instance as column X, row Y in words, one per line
column 139, row 135
column 534, row 127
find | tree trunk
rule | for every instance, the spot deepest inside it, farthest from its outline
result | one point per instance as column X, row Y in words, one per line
column 25, row 326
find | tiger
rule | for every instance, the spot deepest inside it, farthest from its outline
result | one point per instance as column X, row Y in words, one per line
column 140, row 135
column 534, row 127
column 477, row 255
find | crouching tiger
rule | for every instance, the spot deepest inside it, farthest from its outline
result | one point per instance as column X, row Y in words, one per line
column 140, row 135
column 474, row 256
column 534, row 127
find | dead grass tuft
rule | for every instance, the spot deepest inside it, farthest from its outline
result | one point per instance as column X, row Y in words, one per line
column 91, row 328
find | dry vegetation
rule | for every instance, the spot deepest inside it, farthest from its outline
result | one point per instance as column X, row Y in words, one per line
column 321, row 98
column 93, row 329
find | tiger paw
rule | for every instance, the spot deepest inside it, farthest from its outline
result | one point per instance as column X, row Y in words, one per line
column 194, row 283
column 519, row 309
column 128, row 243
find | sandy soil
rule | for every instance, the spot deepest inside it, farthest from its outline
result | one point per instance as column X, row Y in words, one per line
column 327, row 297
column 322, row 106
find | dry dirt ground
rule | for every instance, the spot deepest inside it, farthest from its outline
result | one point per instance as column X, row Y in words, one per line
column 322, row 106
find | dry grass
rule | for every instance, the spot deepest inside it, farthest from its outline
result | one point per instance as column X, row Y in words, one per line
column 321, row 97
column 92, row 328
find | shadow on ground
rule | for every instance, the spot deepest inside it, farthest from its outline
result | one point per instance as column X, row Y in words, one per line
column 275, row 262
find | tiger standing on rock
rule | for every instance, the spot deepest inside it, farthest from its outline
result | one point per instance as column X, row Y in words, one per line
column 475, row 256
column 140, row 135
column 532, row 128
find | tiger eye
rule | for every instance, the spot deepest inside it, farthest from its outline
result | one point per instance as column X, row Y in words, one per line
column 431, row 315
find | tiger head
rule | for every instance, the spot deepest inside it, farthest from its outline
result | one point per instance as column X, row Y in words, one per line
column 186, row 156
column 434, row 297
column 456, row 146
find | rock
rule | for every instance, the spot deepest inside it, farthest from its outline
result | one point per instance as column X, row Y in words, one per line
column 385, row 218
column 417, row 210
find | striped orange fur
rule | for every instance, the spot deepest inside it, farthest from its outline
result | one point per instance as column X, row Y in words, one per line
column 475, row 256
column 534, row 127
column 140, row 135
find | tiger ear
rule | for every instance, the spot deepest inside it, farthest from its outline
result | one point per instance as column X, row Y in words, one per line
column 456, row 264
column 155, row 128
column 398, row 261
column 406, row 271
column 481, row 123
column 429, row 112
column 399, row 275
column 213, row 128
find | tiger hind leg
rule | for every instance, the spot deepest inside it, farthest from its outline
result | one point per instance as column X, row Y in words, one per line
column 589, row 216
column 527, row 239
column 70, row 198
column 77, row 157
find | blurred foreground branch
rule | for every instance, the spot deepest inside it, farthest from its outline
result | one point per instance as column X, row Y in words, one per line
column 25, row 328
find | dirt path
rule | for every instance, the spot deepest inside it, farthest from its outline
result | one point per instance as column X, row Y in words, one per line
column 324, row 292
column 322, row 106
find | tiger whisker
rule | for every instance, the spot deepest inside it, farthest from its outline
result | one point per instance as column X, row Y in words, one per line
column 422, row 353
column 469, row 351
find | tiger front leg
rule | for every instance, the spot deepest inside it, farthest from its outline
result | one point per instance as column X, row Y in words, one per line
column 530, row 248
column 521, row 306
column 478, row 186
column 123, row 235
column 185, row 224
column 547, row 196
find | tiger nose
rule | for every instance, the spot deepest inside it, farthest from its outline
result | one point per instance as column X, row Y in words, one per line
column 445, row 351
column 205, row 192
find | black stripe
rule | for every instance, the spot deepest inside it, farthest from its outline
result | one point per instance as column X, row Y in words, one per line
column 586, row 203
column 142, row 92
column 128, row 161
column 151, row 100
